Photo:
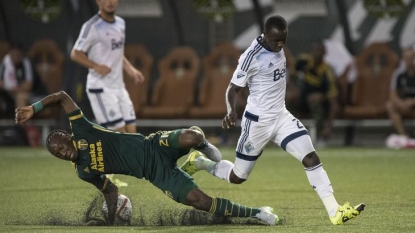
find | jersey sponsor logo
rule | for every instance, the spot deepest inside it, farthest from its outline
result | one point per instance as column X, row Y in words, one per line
column 82, row 144
column 240, row 75
column 249, row 147
column 278, row 74
column 270, row 65
column 117, row 44
column 86, row 170
column 97, row 156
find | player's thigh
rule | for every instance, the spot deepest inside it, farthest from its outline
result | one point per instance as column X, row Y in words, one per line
column 169, row 145
column 126, row 107
column 254, row 137
column 105, row 107
column 293, row 137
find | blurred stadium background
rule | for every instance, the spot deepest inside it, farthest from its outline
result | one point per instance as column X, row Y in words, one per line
column 204, row 38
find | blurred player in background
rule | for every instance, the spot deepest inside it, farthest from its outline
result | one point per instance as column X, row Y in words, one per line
column 16, row 80
column 100, row 48
column 318, row 90
column 263, row 68
column 97, row 151
column 402, row 96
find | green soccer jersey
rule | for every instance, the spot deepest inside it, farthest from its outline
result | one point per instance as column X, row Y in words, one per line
column 102, row 151
column 153, row 157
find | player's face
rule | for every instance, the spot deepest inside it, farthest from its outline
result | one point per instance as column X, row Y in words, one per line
column 275, row 39
column 107, row 6
column 63, row 148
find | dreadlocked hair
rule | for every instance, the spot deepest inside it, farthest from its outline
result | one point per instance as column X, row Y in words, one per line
column 56, row 132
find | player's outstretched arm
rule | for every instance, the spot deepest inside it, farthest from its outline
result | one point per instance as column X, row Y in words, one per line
column 56, row 99
column 111, row 197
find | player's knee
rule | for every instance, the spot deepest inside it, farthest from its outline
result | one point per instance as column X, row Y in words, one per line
column 234, row 179
column 190, row 138
column 311, row 160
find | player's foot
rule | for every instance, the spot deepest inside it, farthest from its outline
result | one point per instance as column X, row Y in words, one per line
column 267, row 215
column 210, row 151
column 346, row 212
column 189, row 165
column 117, row 182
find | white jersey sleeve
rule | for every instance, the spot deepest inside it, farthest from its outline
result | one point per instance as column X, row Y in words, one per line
column 87, row 36
column 240, row 77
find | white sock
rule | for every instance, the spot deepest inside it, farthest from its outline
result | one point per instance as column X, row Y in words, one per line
column 320, row 182
column 331, row 205
column 220, row 169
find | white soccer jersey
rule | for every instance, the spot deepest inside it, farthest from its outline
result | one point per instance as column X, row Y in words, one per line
column 103, row 42
column 264, row 72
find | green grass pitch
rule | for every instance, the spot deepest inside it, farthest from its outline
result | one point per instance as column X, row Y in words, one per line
column 40, row 193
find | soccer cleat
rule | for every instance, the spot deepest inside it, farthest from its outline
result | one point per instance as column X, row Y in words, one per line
column 189, row 165
column 346, row 212
column 267, row 215
column 210, row 151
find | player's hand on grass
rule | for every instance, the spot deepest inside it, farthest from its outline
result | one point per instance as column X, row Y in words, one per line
column 23, row 114
column 96, row 222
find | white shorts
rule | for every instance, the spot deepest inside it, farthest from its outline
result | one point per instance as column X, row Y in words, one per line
column 112, row 108
column 286, row 131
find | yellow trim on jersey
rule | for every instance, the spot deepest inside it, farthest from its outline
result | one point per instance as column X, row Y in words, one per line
column 74, row 167
column 76, row 117
column 103, row 129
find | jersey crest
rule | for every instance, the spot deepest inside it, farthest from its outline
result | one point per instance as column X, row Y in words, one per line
column 82, row 144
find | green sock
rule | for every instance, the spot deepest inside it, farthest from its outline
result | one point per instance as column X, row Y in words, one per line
column 221, row 206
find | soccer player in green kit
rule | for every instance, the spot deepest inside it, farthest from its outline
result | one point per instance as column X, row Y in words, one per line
column 97, row 151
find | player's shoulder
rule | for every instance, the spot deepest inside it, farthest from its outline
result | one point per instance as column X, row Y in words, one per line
column 119, row 19
column 250, row 53
column 93, row 20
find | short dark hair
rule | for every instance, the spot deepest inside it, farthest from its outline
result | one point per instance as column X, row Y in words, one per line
column 54, row 133
column 277, row 22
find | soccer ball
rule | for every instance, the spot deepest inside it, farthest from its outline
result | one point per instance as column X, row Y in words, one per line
column 124, row 210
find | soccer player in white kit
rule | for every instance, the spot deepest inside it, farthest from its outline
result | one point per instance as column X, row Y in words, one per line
column 100, row 48
column 263, row 68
